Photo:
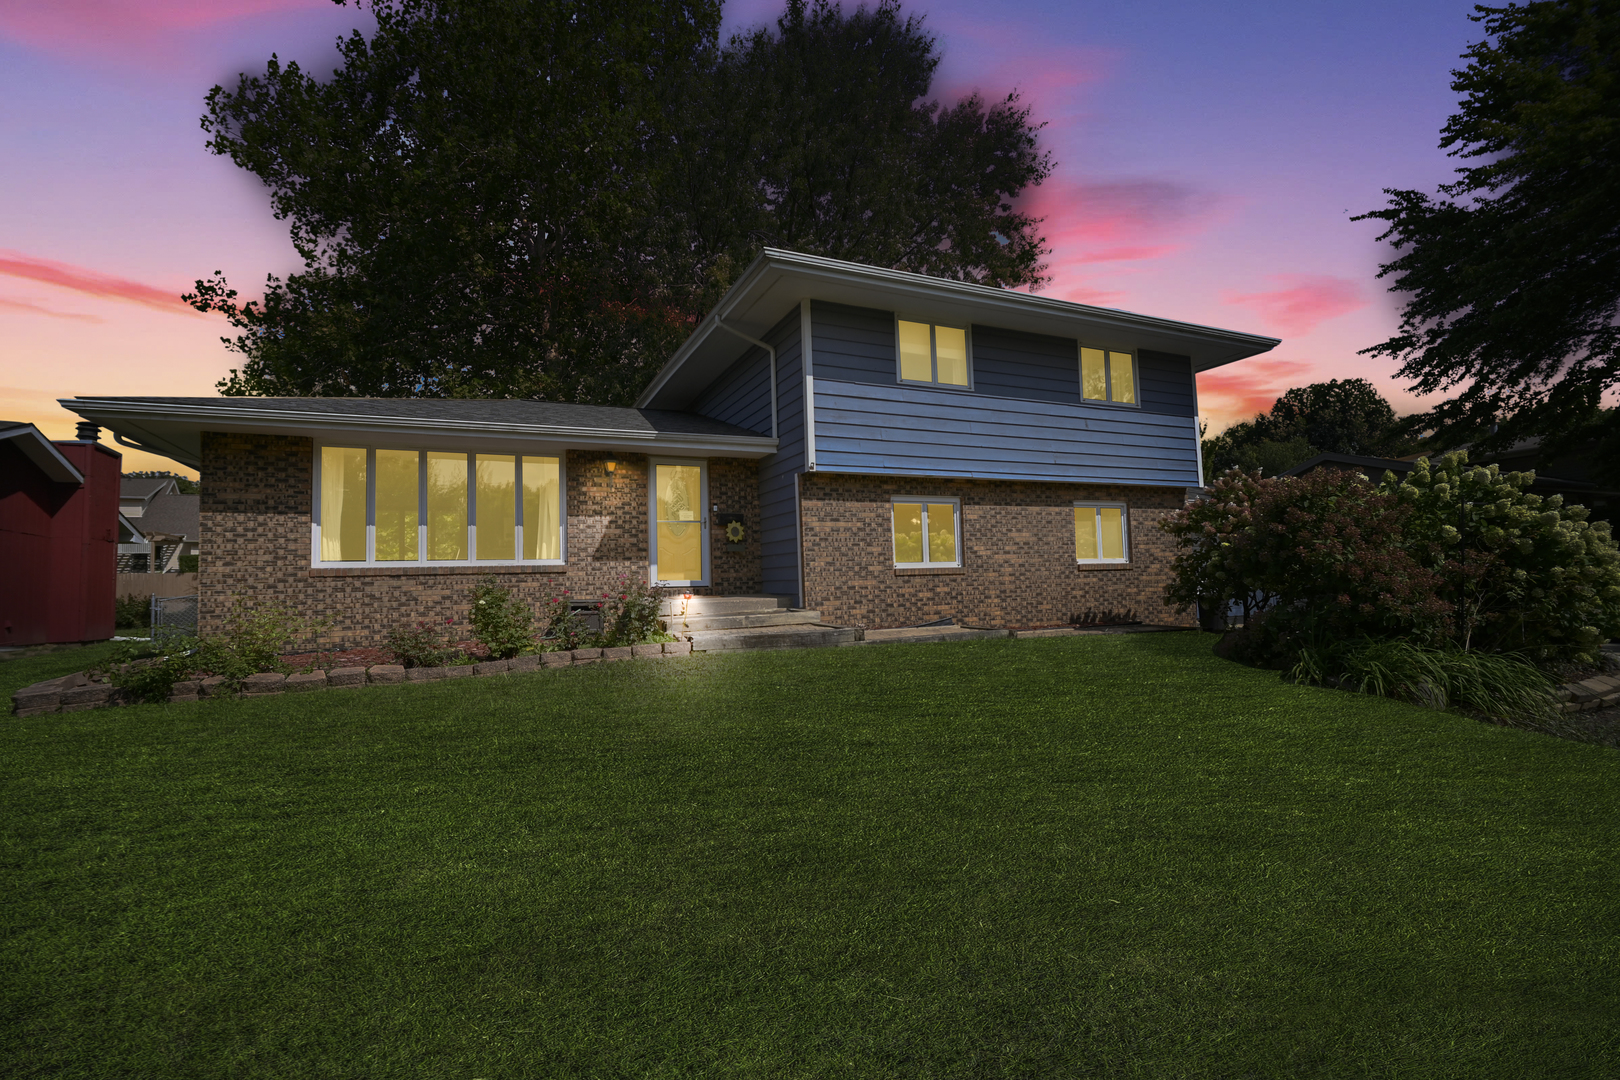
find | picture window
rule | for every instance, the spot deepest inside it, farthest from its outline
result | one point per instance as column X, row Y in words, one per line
column 432, row 507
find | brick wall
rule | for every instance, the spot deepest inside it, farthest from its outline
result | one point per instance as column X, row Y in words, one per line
column 256, row 514
column 1018, row 567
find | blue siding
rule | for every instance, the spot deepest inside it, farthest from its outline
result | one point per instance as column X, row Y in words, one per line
column 741, row 396
column 1167, row 383
column 778, row 490
column 1008, row 363
column 914, row 431
column 852, row 344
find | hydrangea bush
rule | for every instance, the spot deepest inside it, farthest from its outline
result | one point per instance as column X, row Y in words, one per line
column 1454, row 557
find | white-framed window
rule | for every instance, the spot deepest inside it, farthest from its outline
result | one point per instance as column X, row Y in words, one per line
column 1108, row 376
column 927, row 531
column 1102, row 533
column 379, row 506
column 933, row 354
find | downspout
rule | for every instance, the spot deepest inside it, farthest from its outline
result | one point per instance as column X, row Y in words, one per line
column 768, row 349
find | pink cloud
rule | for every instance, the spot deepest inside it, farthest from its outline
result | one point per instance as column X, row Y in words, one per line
column 1237, row 391
column 90, row 282
column 72, row 26
column 41, row 309
column 1089, row 222
column 1304, row 301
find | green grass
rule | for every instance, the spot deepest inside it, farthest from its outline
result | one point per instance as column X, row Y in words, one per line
column 1101, row 857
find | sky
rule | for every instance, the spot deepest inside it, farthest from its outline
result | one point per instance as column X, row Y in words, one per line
column 1208, row 160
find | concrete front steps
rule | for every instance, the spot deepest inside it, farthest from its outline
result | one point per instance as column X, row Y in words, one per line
column 728, row 623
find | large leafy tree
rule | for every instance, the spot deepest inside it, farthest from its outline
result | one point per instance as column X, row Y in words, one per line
column 1333, row 417
column 539, row 198
column 1512, row 275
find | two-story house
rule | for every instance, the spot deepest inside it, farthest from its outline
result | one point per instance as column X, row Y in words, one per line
column 884, row 447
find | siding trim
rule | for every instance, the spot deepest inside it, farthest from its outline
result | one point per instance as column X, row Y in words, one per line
column 807, row 365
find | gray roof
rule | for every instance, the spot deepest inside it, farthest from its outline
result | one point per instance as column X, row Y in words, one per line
column 173, row 426
column 468, row 410
column 142, row 487
column 174, row 514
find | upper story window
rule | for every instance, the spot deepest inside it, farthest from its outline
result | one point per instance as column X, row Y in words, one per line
column 398, row 507
column 1108, row 375
column 934, row 354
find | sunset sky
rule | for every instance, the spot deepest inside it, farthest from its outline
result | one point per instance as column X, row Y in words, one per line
column 1209, row 158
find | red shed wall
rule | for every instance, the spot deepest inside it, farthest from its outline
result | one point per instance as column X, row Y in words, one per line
column 28, row 501
column 84, row 548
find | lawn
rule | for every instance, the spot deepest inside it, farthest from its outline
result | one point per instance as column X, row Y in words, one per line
column 1098, row 857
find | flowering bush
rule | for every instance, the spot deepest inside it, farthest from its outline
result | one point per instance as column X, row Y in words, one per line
column 427, row 644
column 501, row 622
column 1452, row 558
column 565, row 629
column 630, row 615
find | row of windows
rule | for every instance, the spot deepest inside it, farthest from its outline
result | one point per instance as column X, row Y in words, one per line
column 929, row 533
column 429, row 506
column 399, row 506
column 939, row 356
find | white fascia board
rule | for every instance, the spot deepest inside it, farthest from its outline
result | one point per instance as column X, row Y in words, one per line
column 777, row 280
column 38, row 449
column 178, row 429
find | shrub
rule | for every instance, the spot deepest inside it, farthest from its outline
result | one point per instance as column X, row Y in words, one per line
column 565, row 629
column 147, row 670
column 427, row 644
column 500, row 621
column 1523, row 573
column 255, row 638
column 188, row 564
column 1453, row 557
column 630, row 616
column 1501, row 687
column 132, row 610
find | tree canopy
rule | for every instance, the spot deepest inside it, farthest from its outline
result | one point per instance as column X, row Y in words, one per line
column 1512, row 275
column 540, row 198
column 1334, row 417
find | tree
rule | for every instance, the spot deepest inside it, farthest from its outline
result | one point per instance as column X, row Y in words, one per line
column 461, row 194
column 819, row 137
column 538, row 198
column 1335, row 417
column 1512, row 276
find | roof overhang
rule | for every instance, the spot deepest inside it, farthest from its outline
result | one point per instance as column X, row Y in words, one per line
column 175, row 431
column 775, row 283
column 40, row 450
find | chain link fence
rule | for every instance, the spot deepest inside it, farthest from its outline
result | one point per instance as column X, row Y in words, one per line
column 174, row 616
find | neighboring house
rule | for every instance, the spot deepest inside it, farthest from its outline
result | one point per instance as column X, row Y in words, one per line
column 158, row 525
column 58, row 535
column 887, row 448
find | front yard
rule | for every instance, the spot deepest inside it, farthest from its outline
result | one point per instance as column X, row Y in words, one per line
column 1107, row 856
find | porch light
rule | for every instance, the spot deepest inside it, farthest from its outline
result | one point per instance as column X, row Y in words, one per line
column 610, row 465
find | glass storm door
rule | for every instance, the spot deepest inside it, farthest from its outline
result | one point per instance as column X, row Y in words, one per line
column 680, row 523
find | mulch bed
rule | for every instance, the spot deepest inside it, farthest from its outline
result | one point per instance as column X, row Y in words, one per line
column 341, row 658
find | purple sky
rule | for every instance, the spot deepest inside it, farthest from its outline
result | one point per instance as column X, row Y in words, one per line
column 1209, row 157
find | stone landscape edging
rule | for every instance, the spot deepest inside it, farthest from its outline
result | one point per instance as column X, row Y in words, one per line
column 76, row 692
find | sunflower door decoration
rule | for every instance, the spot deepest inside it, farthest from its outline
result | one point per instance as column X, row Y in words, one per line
column 736, row 533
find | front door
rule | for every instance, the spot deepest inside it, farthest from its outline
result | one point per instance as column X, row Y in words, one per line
column 680, row 523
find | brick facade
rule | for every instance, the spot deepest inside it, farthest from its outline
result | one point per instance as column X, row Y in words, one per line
column 256, row 511
column 1018, row 566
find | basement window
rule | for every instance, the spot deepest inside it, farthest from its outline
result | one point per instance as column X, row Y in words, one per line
column 1101, row 533
column 927, row 532
column 386, row 507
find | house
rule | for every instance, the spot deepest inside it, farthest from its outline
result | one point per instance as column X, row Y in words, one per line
column 887, row 448
column 58, row 531
column 158, row 525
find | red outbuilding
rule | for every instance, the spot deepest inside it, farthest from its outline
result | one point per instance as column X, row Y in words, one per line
column 58, row 536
